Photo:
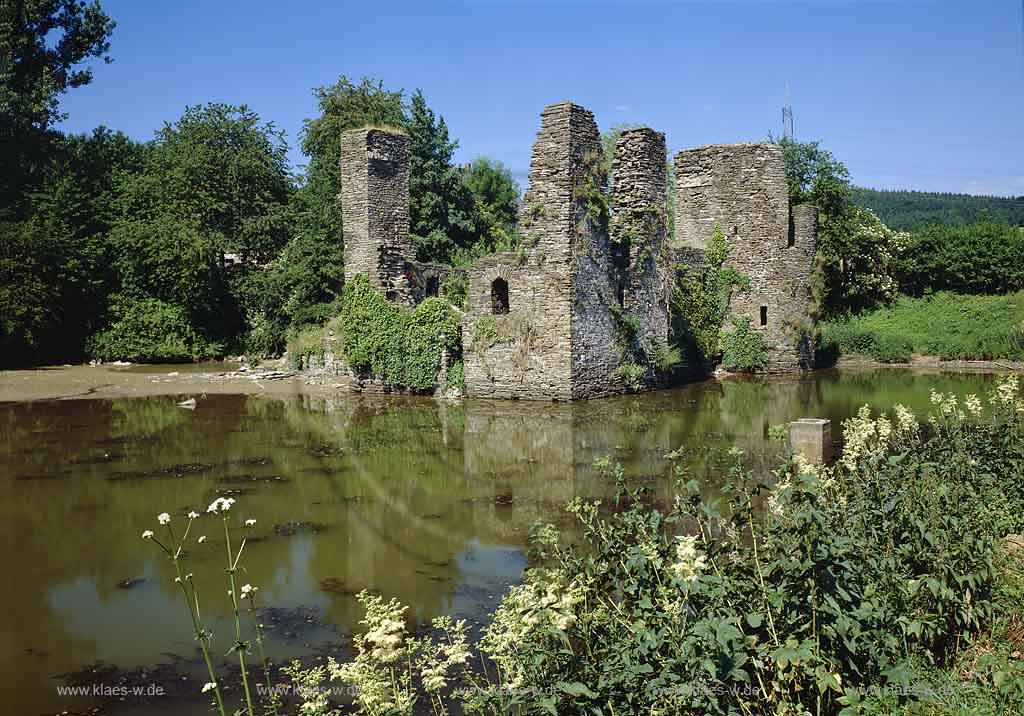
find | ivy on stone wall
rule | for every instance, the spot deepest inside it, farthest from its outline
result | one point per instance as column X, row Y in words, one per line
column 700, row 302
column 639, row 356
column 743, row 348
column 399, row 346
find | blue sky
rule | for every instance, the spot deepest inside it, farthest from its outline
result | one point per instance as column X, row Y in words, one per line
column 911, row 94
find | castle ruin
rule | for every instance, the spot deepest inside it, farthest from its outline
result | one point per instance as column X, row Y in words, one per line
column 580, row 309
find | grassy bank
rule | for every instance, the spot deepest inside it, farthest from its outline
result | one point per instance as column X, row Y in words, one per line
column 946, row 325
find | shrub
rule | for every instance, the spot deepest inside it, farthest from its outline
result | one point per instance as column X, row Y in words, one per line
column 151, row 330
column 399, row 346
column 946, row 325
column 981, row 258
column 744, row 349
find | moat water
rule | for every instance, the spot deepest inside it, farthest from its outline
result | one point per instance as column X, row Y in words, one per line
column 426, row 501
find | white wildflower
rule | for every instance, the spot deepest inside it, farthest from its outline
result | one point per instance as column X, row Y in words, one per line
column 250, row 523
column 221, row 504
column 202, row 538
column 690, row 561
column 937, row 398
column 163, row 518
column 1007, row 390
column 906, row 423
column 973, row 405
column 148, row 534
column 884, row 427
column 192, row 514
column 248, row 589
column 209, row 686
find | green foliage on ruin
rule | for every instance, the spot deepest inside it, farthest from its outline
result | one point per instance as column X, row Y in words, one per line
column 743, row 349
column 700, row 302
column 401, row 347
column 592, row 191
column 455, row 289
column 640, row 356
column 485, row 333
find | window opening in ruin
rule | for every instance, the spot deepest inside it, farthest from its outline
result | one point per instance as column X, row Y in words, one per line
column 499, row 296
column 764, row 316
column 791, row 239
column 432, row 286
column 620, row 293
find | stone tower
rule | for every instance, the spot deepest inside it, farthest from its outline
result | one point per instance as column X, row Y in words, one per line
column 539, row 322
column 640, row 228
column 375, row 209
column 742, row 188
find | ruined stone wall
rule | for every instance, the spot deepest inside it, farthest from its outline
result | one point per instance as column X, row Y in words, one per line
column 557, row 339
column 594, row 336
column 375, row 209
column 523, row 353
column 742, row 187
column 640, row 226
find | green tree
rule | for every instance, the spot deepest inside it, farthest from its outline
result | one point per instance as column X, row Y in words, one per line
column 55, row 265
column 43, row 44
column 207, row 209
column 495, row 195
column 855, row 257
column 441, row 216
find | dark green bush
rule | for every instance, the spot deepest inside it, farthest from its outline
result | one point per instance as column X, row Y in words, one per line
column 744, row 349
column 399, row 346
column 150, row 330
column 982, row 258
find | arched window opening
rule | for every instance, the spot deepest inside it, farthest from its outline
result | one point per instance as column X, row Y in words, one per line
column 764, row 316
column 791, row 237
column 499, row 296
column 432, row 286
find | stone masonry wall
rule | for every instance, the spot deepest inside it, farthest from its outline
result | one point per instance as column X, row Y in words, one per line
column 742, row 187
column 375, row 209
column 523, row 353
column 556, row 340
column 640, row 224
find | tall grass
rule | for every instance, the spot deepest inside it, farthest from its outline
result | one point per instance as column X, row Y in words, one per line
column 945, row 325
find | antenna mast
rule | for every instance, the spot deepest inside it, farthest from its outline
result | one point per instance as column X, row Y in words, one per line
column 787, row 116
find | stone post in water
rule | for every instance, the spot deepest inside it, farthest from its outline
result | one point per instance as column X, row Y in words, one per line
column 812, row 438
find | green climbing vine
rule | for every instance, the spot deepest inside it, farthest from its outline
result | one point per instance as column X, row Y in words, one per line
column 743, row 348
column 700, row 302
column 639, row 356
column 400, row 346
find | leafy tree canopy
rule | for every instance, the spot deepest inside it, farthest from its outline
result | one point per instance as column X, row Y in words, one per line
column 43, row 44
